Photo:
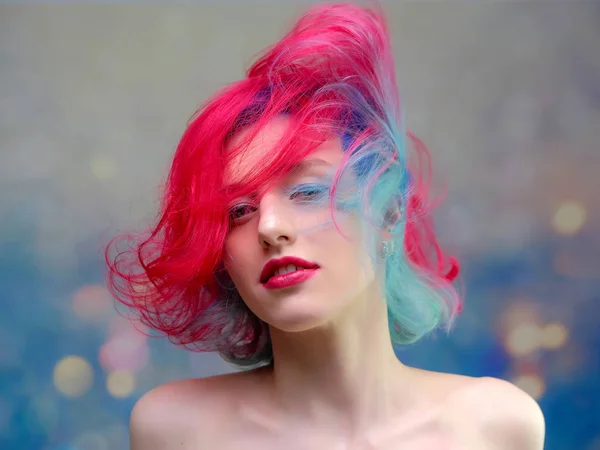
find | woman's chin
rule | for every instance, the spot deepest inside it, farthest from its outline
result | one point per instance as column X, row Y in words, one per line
column 298, row 321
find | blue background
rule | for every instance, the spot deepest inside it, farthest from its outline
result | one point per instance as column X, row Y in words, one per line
column 93, row 99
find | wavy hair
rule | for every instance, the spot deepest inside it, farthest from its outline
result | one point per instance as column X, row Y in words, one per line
column 334, row 72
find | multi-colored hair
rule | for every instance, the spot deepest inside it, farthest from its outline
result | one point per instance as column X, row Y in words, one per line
column 334, row 73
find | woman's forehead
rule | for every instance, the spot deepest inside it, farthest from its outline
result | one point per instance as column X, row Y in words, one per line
column 266, row 140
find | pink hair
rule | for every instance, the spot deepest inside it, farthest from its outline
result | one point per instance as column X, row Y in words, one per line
column 335, row 58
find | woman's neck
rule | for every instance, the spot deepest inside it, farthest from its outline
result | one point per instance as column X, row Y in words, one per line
column 344, row 373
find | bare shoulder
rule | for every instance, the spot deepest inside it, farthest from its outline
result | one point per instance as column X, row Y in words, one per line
column 184, row 414
column 506, row 416
column 503, row 416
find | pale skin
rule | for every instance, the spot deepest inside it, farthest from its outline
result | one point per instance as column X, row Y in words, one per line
column 336, row 383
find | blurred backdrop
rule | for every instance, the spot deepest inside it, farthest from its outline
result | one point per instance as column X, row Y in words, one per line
column 93, row 99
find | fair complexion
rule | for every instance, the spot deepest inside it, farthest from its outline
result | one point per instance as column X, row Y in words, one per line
column 334, row 361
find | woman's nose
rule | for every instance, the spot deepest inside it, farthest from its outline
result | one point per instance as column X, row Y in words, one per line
column 276, row 222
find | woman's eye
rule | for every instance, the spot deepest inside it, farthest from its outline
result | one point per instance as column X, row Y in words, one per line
column 240, row 211
column 307, row 192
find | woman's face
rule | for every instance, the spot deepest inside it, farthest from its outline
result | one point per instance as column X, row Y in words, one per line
column 333, row 271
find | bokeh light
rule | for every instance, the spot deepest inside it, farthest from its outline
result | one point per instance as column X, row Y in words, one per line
column 520, row 328
column 569, row 218
column 518, row 312
column 126, row 347
column 124, row 353
column 120, row 383
column 121, row 326
column 554, row 336
column 92, row 303
column 533, row 384
column 523, row 339
column 73, row 376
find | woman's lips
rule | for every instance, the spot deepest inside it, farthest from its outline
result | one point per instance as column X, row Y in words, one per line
column 290, row 279
column 272, row 266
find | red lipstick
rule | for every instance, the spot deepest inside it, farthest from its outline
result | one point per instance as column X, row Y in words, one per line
column 305, row 270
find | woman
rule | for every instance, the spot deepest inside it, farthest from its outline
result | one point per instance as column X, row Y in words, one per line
column 294, row 239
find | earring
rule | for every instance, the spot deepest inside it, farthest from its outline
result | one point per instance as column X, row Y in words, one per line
column 388, row 248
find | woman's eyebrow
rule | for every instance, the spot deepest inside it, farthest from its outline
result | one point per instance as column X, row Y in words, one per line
column 309, row 164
